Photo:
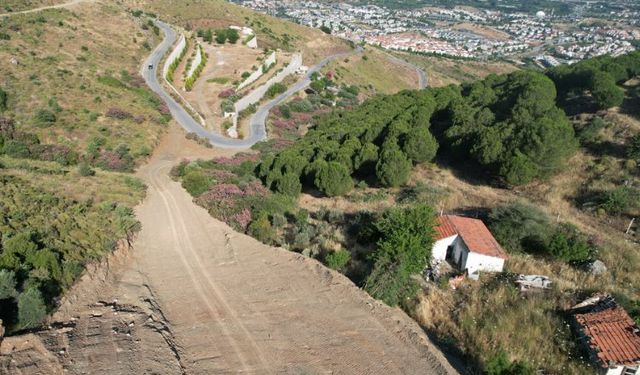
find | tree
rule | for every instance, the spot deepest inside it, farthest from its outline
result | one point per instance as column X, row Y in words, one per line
column 419, row 145
column 289, row 184
column 7, row 284
column 232, row 36
column 31, row 308
column 333, row 178
column 605, row 91
column 325, row 29
column 404, row 248
column 393, row 168
column 221, row 36
column 207, row 36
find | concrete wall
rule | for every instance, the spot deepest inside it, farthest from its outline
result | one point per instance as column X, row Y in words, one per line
column 175, row 54
column 271, row 59
column 253, row 43
column 257, row 94
column 439, row 249
column 196, row 61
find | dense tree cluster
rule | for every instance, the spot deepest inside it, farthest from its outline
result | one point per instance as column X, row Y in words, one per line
column 598, row 76
column 44, row 246
column 511, row 126
column 382, row 137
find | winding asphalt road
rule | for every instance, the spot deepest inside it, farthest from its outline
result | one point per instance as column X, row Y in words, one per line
column 256, row 122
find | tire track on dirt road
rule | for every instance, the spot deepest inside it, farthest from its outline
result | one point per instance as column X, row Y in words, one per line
column 208, row 288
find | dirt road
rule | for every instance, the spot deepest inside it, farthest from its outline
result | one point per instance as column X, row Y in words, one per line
column 57, row 6
column 236, row 305
column 194, row 297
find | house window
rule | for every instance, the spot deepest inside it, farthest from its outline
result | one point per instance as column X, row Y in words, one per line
column 629, row 370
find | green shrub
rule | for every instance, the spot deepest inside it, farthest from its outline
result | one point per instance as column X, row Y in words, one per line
column 261, row 229
column 44, row 117
column 590, row 132
column 404, row 248
column 16, row 149
column 338, row 260
column 276, row 89
column 7, row 284
column 31, row 308
column 569, row 245
column 633, row 148
column 619, row 200
column 196, row 182
column 85, row 170
column 519, row 227
column 4, row 97
column 499, row 364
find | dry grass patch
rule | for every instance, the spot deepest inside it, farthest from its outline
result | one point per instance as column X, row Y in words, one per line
column 443, row 71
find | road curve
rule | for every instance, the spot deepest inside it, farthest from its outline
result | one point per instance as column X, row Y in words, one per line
column 423, row 81
column 257, row 122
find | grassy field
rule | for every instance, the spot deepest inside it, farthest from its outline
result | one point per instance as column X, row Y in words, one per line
column 77, row 65
column 443, row 71
column 373, row 72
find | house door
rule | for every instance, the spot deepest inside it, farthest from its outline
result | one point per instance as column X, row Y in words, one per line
column 449, row 256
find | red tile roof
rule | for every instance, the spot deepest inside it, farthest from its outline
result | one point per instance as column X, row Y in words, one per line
column 474, row 233
column 612, row 335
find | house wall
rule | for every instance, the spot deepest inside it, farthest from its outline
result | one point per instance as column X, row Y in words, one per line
column 479, row 262
column 621, row 370
column 439, row 249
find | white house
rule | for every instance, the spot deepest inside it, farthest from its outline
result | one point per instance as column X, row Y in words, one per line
column 467, row 243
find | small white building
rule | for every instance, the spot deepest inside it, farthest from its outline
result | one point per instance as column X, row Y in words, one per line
column 468, row 244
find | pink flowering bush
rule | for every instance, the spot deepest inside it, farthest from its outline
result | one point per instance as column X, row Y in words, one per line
column 227, row 93
column 118, row 113
column 236, row 160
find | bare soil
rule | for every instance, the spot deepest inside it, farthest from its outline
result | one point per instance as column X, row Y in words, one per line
column 195, row 297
